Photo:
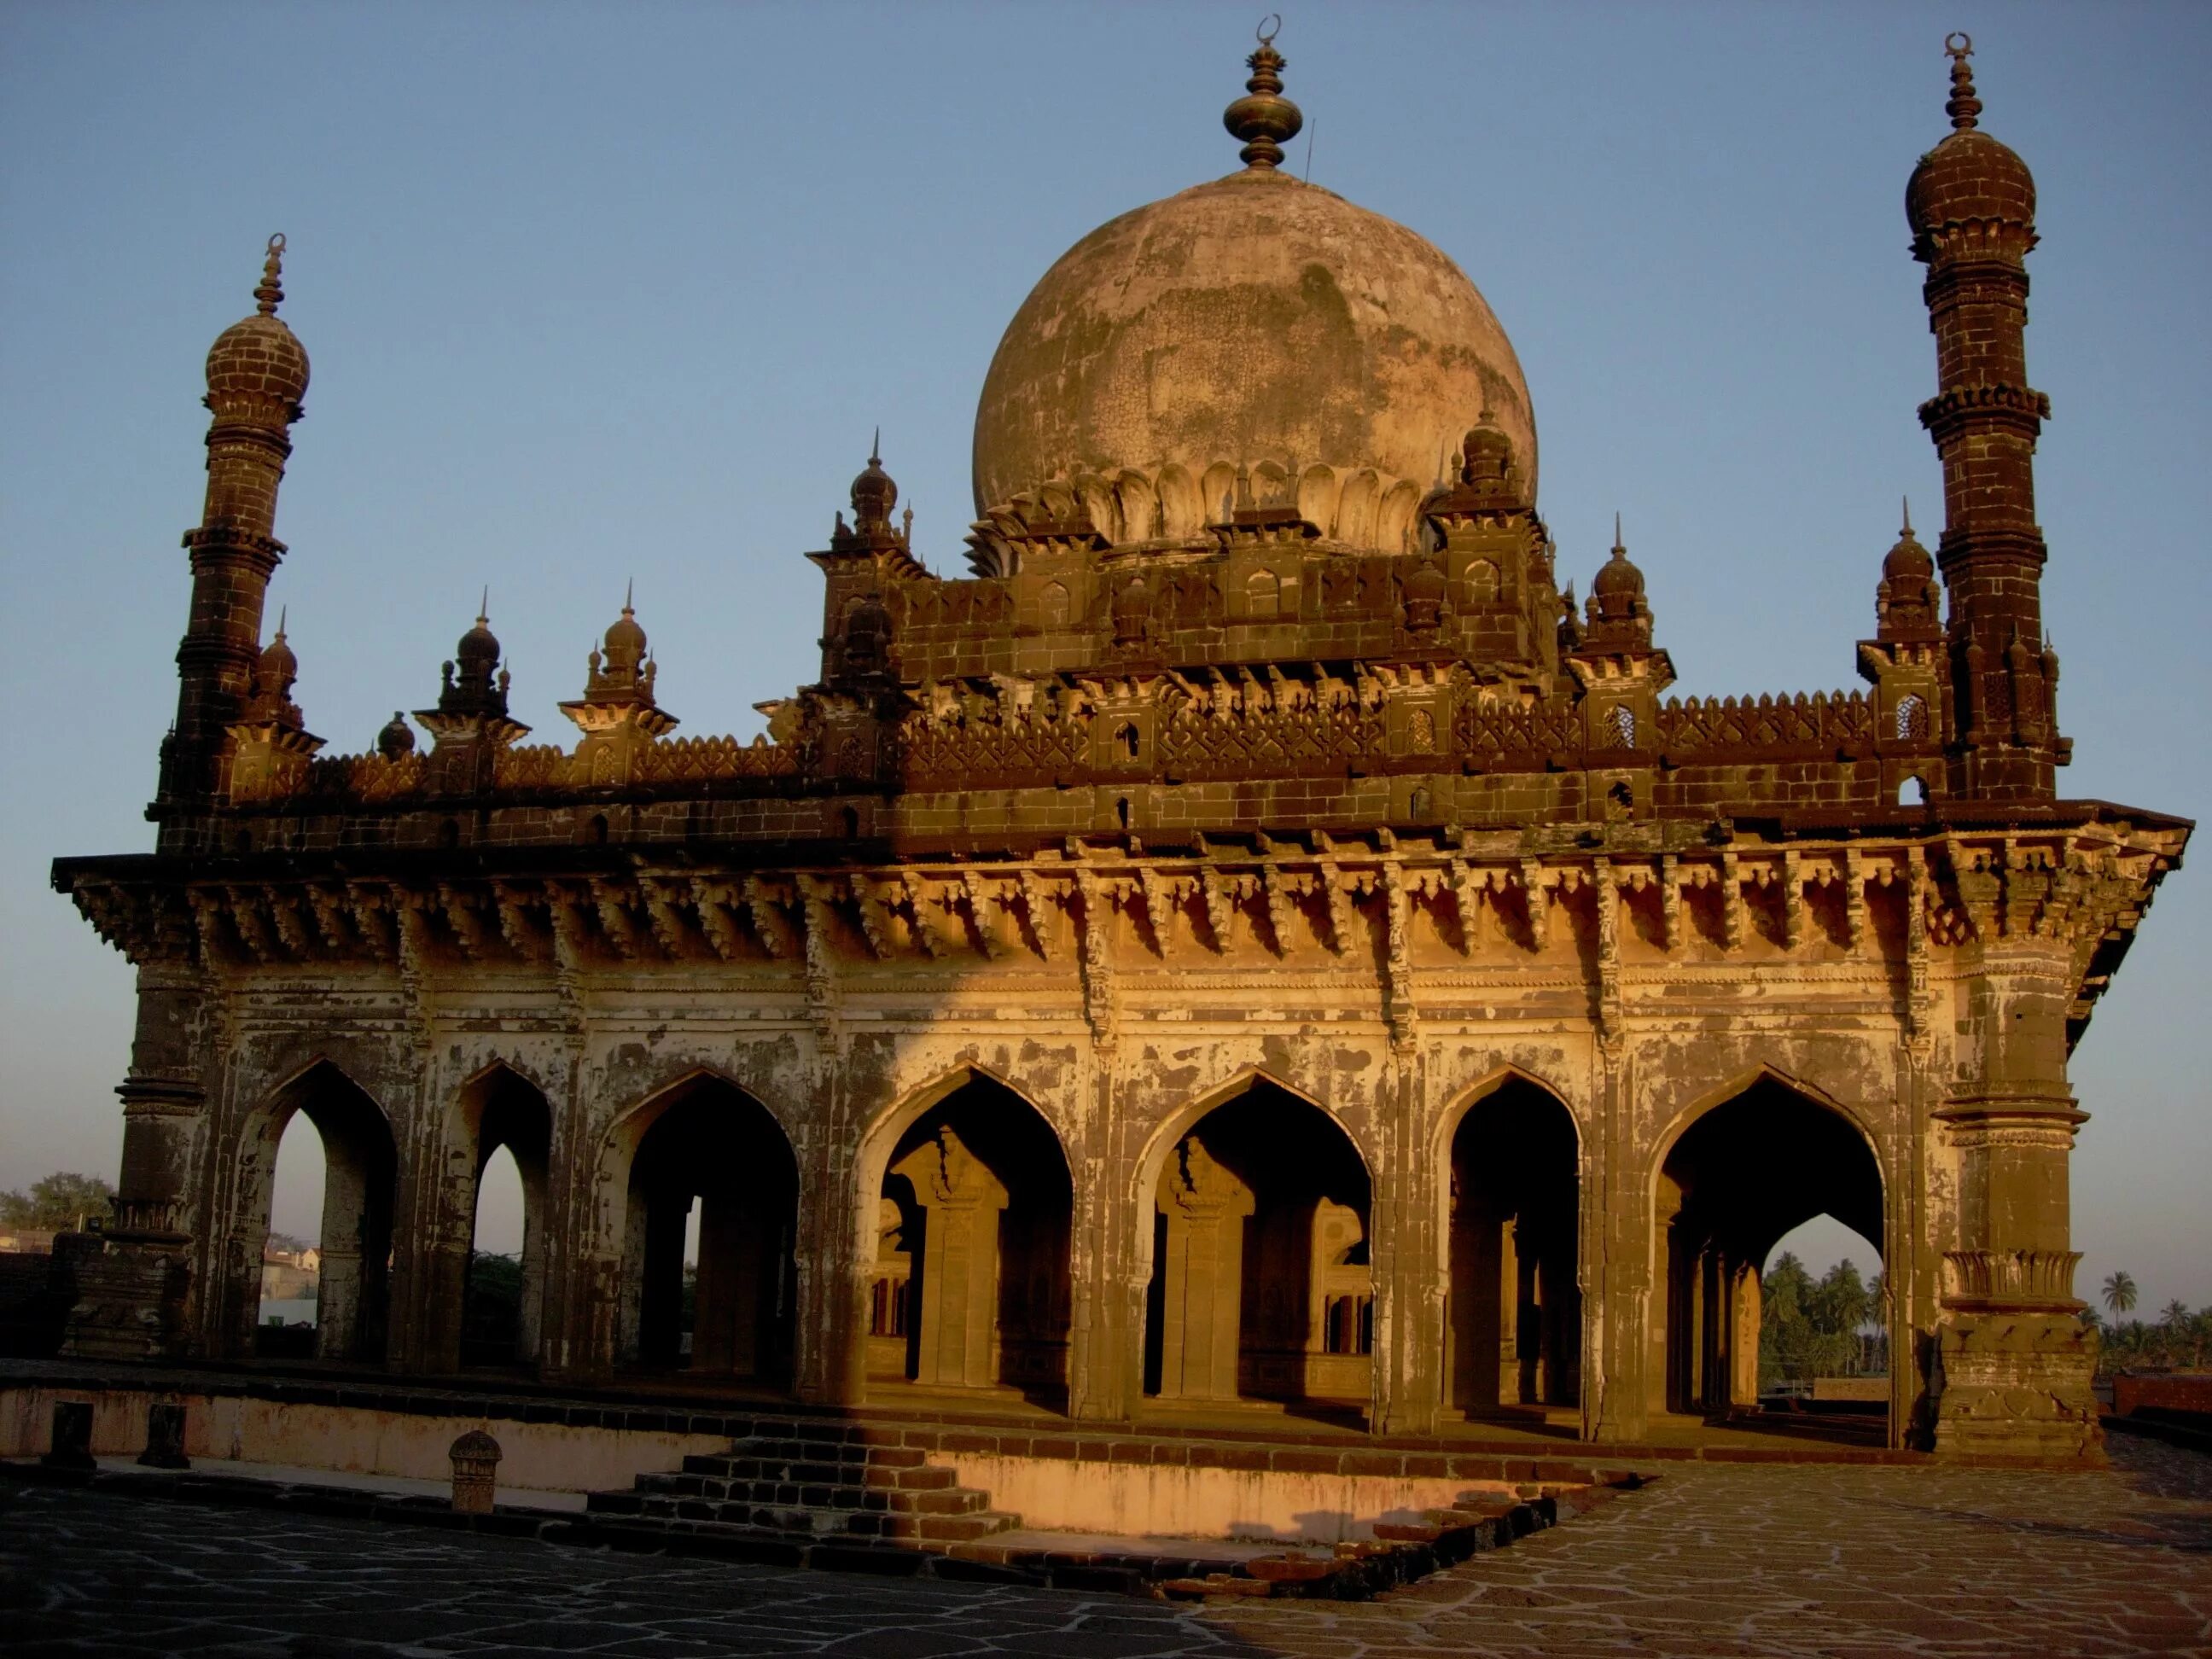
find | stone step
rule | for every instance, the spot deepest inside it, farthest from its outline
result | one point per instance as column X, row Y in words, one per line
column 907, row 1476
column 803, row 1522
column 938, row 1497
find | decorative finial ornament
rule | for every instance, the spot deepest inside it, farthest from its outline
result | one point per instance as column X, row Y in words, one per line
column 1964, row 107
column 271, row 294
column 283, row 612
column 1263, row 118
column 1908, row 516
column 876, row 447
column 483, row 607
column 1620, row 547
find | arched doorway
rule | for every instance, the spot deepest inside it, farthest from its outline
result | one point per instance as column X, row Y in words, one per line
column 508, row 1124
column 360, row 1169
column 971, row 1284
column 1743, row 1174
column 729, row 1314
column 1260, row 1286
column 1514, row 1316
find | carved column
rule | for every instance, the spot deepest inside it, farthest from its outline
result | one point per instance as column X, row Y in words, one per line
column 1110, row 1276
column 133, row 1284
column 1624, row 1312
column 2016, row 1360
column 1406, row 1256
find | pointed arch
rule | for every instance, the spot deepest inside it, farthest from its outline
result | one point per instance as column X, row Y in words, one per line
column 360, row 1184
column 1259, row 1283
column 1735, row 1169
column 1741, row 1083
column 964, row 1197
column 495, row 1316
column 699, row 1139
column 1509, row 1233
column 1152, row 1160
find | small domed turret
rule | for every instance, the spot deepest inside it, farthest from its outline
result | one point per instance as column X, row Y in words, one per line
column 278, row 667
column 1907, row 560
column 874, row 494
column 397, row 738
column 1617, row 595
column 625, row 642
column 1970, row 179
column 258, row 367
column 1908, row 603
column 479, row 646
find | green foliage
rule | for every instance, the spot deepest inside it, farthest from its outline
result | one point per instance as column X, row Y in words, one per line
column 2119, row 1293
column 63, row 1202
column 1809, row 1328
column 2178, row 1341
column 494, row 1280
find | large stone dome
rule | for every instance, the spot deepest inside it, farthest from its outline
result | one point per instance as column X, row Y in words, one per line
column 1256, row 322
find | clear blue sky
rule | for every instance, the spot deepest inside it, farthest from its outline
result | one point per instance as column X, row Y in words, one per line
column 603, row 292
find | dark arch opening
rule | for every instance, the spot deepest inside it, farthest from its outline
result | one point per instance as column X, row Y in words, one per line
column 360, row 1187
column 1737, row 1180
column 1261, row 1286
column 502, row 1298
column 1514, row 1314
column 711, row 1143
column 971, row 1287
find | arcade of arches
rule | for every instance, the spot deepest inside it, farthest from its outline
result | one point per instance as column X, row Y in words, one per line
column 1261, row 1277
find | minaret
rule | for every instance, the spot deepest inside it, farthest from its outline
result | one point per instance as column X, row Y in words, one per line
column 1971, row 206
column 256, row 373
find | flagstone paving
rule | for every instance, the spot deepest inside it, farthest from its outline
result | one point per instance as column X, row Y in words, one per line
column 1792, row 1562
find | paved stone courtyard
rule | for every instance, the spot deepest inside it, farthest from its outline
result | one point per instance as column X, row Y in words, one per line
column 1715, row 1560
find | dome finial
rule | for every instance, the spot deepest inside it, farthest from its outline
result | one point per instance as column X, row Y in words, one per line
column 1964, row 107
column 1263, row 118
column 1908, row 516
column 1620, row 547
column 271, row 294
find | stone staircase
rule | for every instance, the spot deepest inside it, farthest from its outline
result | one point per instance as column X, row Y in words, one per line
column 808, row 1486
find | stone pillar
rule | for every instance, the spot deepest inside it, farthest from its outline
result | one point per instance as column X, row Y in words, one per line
column 1509, row 1313
column 1621, row 1306
column 1746, row 1301
column 1406, row 1258
column 132, row 1293
column 1205, row 1207
column 1109, row 1271
column 963, row 1201
column 667, row 1213
column 2016, row 1360
column 579, row 1297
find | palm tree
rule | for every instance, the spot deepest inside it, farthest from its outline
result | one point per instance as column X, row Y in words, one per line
column 2119, row 1294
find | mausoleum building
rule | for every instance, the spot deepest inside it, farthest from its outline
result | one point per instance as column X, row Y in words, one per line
column 1256, row 936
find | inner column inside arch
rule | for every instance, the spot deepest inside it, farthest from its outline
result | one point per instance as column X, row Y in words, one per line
column 1261, row 1286
column 1513, row 1313
column 971, row 1288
